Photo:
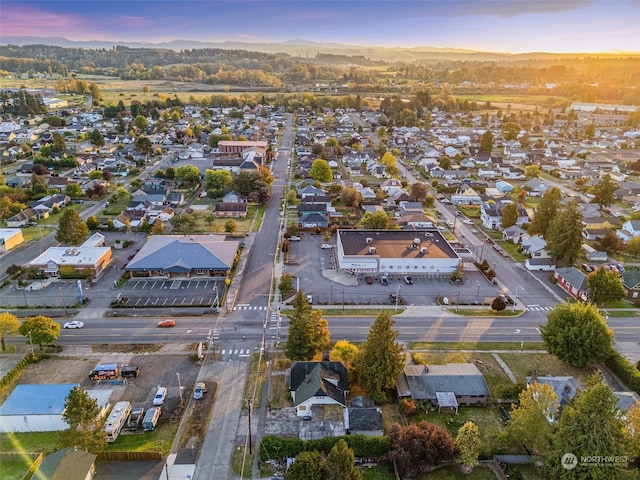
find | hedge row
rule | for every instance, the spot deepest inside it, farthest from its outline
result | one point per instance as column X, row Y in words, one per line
column 15, row 371
column 624, row 370
column 272, row 447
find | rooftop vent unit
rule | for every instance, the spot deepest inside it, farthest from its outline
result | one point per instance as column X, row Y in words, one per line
column 424, row 250
column 369, row 240
column 416, row 241
column 67, row 252
column 372, row 250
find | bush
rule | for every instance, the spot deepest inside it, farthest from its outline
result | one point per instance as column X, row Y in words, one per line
column 408, row 407
column 363, row 446
column 498, row 304
column 624, row 370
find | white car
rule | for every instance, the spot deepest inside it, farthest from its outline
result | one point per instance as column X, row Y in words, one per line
column 467, row 222
column 74, row 324
column 293, row 238
column 161, row 394
column 326, row 245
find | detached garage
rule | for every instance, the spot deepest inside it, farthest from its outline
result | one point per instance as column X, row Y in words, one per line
column 38, row 408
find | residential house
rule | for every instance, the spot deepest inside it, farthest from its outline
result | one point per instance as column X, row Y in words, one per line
column 565, row 387
column 539, row 264
column 235, row 210
column 629, row 230
column 535, row 247
column 234, row 197
column 175, row 199
column 535, row 187
column 57, row 183
column 313, row 220
column 22, row 218
column 572, row 281
column 466, row 195
column 391, row 184
column 317, row 383
column 455, row 383
column 364, row 418
column 504, row 187
column 631, row 284
column 515, row 234
column 67, row 464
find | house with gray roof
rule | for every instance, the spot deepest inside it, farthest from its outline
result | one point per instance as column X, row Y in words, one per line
column 67, row 464
column 630, row 229
column 631, row 283
column 425, row 382
column 565, row 387
column 572, row 281
column 317, row 383
column 184, row 256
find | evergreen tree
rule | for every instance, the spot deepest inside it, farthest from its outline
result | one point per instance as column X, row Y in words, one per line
column 486, row 141
column 308, row 331
column 72, row 230
column 590, row 426
column 565, row 235
column 604, row 191
column 341, row 463
column 381, row 359
column 468, row 445
column 81, row 413
column 545, row 212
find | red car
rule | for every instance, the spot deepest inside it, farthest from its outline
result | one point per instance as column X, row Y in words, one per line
column 167, row 323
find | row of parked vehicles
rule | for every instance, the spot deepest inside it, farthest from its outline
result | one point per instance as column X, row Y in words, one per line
column 617, row 268
column 124, row 416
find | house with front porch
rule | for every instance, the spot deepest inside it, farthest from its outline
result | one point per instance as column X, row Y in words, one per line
column 466, row 195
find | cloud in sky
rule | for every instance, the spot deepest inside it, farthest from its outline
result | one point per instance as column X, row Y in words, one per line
column 498, row 25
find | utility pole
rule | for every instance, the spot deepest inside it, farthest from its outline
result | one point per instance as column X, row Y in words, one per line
column 397, row 296
column 179, row 388
column 250, row 448
column 64, row 303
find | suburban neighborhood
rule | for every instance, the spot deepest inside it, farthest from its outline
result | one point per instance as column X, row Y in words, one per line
column 259, row 288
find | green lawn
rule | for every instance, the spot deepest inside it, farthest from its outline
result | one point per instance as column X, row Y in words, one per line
column 14, row 467
column 512, row 249
column 525, row 472
column 621, row 313
column 476, row 346
column 159, row 440
column 377, row 473
column 37, row 442
column 487, row 419
column 454, row 473
column 546, row 364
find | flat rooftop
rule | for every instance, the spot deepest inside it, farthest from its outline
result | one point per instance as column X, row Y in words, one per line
column 397, row 243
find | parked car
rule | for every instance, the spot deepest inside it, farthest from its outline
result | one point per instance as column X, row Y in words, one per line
column 160, row 395
column 74, row 324
column 293, row 238
column 468, row 222
column 506, row 299
column 620, row 267
column 408, row 280
column 167, row 323
column 199, row 391
column 326, row 245
column 384, row 280
column 586, row 268
column 310, row 299
column 32, row 224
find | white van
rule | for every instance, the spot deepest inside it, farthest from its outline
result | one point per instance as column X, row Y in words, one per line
column 161, row 394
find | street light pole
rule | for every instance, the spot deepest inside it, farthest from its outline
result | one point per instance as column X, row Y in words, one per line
column 515, row 300
column 31, row 343
column 179, row 388
column 478, row 294
column 64, row 303
column 397, row 296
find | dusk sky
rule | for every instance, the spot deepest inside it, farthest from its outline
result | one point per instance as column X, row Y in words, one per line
column 489, row 25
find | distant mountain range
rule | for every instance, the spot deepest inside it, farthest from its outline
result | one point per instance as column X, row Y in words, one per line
column 306, row 48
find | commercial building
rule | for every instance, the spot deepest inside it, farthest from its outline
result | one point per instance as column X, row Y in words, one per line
column 420, row 253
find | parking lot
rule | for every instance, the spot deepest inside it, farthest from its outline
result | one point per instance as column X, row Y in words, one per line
column 307, row 261
column 171, row 293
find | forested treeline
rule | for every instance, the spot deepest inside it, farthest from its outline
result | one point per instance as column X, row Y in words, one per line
column 611, row 79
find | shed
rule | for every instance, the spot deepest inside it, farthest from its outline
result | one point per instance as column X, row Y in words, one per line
column 67, row 464
column 38, row 408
